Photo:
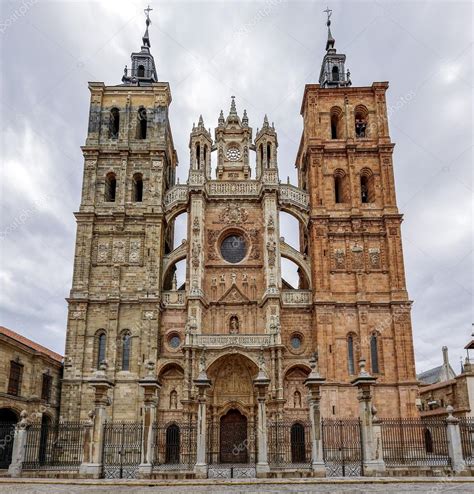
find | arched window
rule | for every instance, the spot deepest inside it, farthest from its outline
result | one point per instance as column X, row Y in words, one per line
column 336, row 123
column 100, row 352
column 269, row 154
column 298, row 450
column 137, row 192
column 141, row 123
column 205, row 154
column 141, row 71
column 198, row 156
column 350, row 354
column 126, row 350
column 340, row 188
column 374, row 354
column 335, row 73
column 110, row 187
column 367, row 192
column 261, row 154
column 360, row 121
column 173, row 440
column 114, row 123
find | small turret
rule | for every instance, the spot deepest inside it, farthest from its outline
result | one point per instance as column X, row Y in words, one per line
column 266, row 144
column 200, row 145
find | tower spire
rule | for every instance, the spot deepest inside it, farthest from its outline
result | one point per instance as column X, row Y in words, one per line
column 146, row 37
column 143, row 71
column 333, row 73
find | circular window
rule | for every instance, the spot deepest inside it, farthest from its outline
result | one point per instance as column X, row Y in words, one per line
column 296, row 341
column 233, row 153
column 174, row 341
column 233, row 248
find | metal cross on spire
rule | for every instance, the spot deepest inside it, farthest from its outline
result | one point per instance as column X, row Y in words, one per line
column 147, row 13
column 328, row 12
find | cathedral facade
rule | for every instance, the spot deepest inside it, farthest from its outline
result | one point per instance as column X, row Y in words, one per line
column 235, row 315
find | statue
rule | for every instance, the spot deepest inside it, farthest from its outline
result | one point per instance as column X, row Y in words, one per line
column 234, row 325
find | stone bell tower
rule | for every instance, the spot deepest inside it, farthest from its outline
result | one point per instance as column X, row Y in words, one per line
column 129, row 165
column 361, row 305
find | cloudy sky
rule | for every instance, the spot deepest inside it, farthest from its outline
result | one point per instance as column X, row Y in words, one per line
column 263, row 52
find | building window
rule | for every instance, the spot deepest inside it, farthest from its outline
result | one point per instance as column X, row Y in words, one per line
column 110, row 187
column 367, row 189
column 269, row 154
column 141, row 123
column 174, row 341
column 141, row 71
column 296, row 341
column 350, row 354
column 126, row 350
column 101, row 342
column 340, row 187
column 137, row 187
column 361, row 119
column 234, row 248
column 336, row 123
column 14, row 381
column 298, row 453
column 172, row 444
column 198, row 156
column 46, row 387
column 114, row 123
column 374, row 354
column 335, row 73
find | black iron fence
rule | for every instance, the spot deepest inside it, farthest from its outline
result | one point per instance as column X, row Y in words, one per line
column 122, row 449
column 342, row 447
column 56, row 446
column 289, row 443
column 174, row 446
column 7, row 435
column 415, row 442
column 466, row 427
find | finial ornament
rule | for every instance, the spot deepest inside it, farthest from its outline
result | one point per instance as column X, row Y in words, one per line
column 147, row 13
column 328, row 11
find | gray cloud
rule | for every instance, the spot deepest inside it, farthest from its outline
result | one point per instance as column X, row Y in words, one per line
column 263, row 53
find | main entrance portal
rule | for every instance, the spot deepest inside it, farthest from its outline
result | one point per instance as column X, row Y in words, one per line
column 233, row 438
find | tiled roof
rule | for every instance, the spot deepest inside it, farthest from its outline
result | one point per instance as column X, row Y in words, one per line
column 430, row 376
column 31, row 344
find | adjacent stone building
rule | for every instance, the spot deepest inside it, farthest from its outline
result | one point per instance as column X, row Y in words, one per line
column 234, row 313
column 440, row 388
column 30, row 379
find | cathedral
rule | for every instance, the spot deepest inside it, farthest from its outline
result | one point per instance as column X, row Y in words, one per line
column 205, row 342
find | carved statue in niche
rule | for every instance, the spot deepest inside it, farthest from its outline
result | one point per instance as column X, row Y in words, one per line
column 195, row 254
column 297, row 400
column 234, row 325
column 374, row 256
column 271, row 248
column 339, row 257
column 173, row 400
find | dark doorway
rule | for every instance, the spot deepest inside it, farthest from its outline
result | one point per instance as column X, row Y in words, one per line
column 8, row 419
column 298, row 443
column 173, row 441
column 233, row 435
column 45, row 431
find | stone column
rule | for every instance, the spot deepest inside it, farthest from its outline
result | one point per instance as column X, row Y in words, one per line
column 373, row 460
column 314, row 382
column 454, row 442
column 202, row 384
column 261, row 383
column 19, row 444
column 151, row 388
column 91, row 467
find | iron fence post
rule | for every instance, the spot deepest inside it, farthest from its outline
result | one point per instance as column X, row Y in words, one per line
column 454, row 442
column 19, row 446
